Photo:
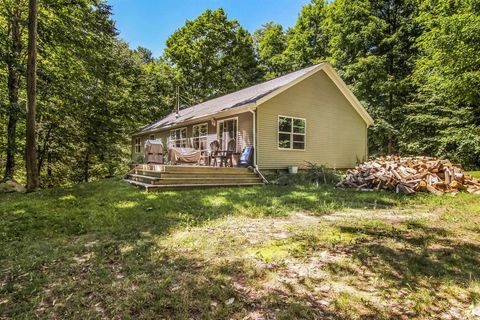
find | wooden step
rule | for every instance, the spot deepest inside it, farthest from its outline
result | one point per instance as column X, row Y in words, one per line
column 180, row 174
column 192, row 180
column 150, row 187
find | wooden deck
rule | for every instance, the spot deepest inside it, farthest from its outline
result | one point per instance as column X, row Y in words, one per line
column 161, row 177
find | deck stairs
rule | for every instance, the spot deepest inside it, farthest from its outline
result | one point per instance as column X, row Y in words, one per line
column 163, row 177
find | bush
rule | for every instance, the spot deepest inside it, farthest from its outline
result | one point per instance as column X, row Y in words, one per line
column 313, row 174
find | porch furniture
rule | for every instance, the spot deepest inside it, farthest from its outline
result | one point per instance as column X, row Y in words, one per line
column 184, row 155
column 246, row 158
column 225, row 156
column 214, row 153
column 228, row 154
column 153, row 152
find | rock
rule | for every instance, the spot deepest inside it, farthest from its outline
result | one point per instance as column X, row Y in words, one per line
column 11, row 186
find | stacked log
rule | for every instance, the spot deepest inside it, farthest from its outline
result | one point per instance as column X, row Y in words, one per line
column 408, row 175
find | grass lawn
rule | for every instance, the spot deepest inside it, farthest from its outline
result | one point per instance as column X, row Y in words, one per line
column 476, row 174
column 108, row 250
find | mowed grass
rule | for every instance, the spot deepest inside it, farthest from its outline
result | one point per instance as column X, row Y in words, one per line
column 108, row 250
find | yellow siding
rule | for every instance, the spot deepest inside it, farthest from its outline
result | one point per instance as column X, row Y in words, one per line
column 335, row 132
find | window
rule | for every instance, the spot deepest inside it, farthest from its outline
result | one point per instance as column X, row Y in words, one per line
column 199, row 134
column 227, row 130
column 137, row 145
column 291, row 133
column 152, row 137
column 178, row 137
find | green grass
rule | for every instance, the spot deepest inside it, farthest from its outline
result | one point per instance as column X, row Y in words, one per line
column 108, row 250
column 475, row 174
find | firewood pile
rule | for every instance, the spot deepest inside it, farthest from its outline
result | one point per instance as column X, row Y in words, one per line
column 408, row 175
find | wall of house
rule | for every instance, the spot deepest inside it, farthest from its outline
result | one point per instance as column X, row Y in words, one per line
column 245, row 133
column 335, row 132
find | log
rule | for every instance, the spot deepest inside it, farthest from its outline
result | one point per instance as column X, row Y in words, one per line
column 408, row 175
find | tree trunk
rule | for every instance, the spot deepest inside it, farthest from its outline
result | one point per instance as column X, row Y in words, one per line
column 42, row 151
column 31, row 145
column 390, row 145
column 86, row 167
column 13, row 86
column 49, row 169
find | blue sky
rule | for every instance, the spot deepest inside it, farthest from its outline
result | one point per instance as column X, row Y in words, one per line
column 149, row 23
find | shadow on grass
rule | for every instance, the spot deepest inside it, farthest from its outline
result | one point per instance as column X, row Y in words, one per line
column 89, row 251
column 421, row 253
column 118, row 209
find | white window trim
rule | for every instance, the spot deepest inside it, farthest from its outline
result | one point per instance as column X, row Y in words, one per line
column 138, row 145
column 181, row 139
column 236, row 133
column 291, row 134
column 204, row 136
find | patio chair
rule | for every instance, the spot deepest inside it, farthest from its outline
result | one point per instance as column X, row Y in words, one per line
column 214, row 153
column 228, row 154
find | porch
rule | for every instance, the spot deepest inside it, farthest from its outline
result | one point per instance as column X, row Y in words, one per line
column 199, row 134
column 162, row 177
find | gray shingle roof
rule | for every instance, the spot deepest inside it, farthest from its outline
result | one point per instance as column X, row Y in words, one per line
column 229, row 101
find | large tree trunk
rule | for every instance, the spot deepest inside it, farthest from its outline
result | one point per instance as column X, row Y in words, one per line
column 13, row 81
column 31, row 147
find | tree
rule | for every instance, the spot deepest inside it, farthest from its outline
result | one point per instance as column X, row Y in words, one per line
column 444, row 118
column 92, row 91
column 13, row 14
column 308, row 40
column 31, row 141
column 270, row 44
column 212, row 55
column 372, row 46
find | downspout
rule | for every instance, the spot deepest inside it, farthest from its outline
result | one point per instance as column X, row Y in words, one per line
column 255, row 166
column 366, row 143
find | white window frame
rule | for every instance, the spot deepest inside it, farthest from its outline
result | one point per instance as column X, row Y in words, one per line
column 185, row 139
column 291, row 133
column 138, row 145
column 236, row 132
column 200, row 137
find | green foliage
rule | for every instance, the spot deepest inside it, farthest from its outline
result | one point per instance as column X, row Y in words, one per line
column 90, row 87
column 270, row 43
column 320, row 174
column 372, row 46
column 308, row 40
column 444, row 115
column 313, row 174
column 212, row 55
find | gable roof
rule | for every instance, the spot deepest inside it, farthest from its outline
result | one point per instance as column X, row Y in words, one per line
column 254, row 96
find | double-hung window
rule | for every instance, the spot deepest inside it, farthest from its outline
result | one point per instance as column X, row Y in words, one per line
column 199, row 135
column 137, row 145
column 291, row 133
column 178, row 137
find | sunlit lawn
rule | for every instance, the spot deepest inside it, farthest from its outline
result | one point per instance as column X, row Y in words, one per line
column 476, row 174
column 108, row 250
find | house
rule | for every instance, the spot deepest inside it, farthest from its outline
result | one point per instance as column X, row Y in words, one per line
column 304, row 116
